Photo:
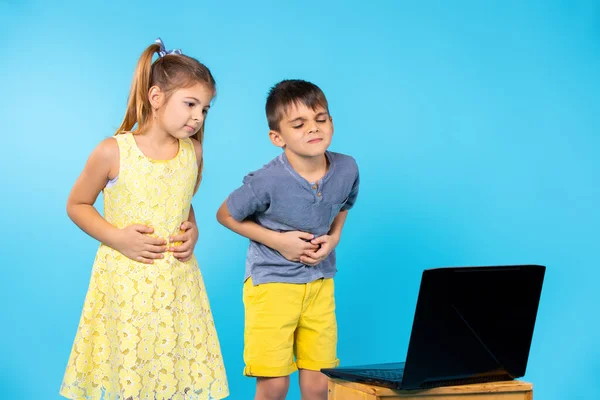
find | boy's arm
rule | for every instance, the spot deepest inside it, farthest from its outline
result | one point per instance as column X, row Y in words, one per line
column 290, row 245
column 246, row 228
column 338, row 224
column 330, row 241
column 327, row 242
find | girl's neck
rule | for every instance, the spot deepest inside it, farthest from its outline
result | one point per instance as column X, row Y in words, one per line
column 156, row 144
column 155, row 136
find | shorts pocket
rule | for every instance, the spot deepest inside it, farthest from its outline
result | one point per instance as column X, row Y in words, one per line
column 251, row 293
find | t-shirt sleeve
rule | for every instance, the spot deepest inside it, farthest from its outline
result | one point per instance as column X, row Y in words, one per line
column 353, row 193
column 248, row 199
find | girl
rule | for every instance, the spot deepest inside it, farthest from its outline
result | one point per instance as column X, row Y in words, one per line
column 146, row 331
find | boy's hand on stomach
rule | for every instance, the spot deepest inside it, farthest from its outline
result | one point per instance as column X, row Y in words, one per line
column 292, row 245
column 325, row 243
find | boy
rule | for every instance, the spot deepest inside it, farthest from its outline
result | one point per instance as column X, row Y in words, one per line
column 292, row 210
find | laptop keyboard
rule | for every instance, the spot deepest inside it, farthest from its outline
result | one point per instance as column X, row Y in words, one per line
column 393, row 375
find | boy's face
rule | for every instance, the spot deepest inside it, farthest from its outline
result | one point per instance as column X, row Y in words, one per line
column 304, row 131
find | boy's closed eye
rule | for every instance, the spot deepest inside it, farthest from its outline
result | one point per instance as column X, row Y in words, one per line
column 300, row 125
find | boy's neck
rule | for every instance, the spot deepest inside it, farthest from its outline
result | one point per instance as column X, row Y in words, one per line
column 310, row 168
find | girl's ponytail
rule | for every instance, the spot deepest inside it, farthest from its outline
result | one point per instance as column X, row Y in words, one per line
column 138, row 105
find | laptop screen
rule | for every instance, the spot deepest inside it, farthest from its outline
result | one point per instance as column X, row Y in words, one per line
column 473, row 321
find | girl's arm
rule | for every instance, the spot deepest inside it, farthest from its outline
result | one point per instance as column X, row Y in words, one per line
column 183, row 244
column 80, row 204
column 102, row 165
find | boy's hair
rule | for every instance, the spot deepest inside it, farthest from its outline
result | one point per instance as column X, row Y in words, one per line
column 171, row 71
column 289, row 92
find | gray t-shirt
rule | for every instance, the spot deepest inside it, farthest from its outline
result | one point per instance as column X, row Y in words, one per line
column 278, row 198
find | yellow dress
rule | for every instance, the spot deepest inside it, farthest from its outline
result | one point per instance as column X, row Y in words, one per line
column 146, row 330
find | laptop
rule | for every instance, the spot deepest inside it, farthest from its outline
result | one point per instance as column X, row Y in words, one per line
column 471, row 325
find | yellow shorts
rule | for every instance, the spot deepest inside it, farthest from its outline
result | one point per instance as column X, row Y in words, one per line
column 286, row 321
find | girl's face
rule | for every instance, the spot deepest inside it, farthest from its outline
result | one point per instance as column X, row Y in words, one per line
column 183, row 114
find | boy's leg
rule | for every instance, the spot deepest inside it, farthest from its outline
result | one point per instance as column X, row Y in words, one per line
column 316, row 339
column 272, row 388
column 272, row 312
column 313, row 385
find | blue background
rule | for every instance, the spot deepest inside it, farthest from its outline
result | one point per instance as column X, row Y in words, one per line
column 475, row 125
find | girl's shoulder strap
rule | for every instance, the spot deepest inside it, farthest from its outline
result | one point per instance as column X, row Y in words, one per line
column 126, row 144
column 123, row 138
column 188, row 149
column 127, row 149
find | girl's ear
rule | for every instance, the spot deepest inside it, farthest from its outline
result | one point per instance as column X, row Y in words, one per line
column 156, row 97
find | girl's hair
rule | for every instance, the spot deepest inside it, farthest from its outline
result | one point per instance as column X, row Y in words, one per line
column 171, row 71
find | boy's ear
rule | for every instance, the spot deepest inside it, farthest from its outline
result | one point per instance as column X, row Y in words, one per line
column 332, row 126
column 276, row 138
